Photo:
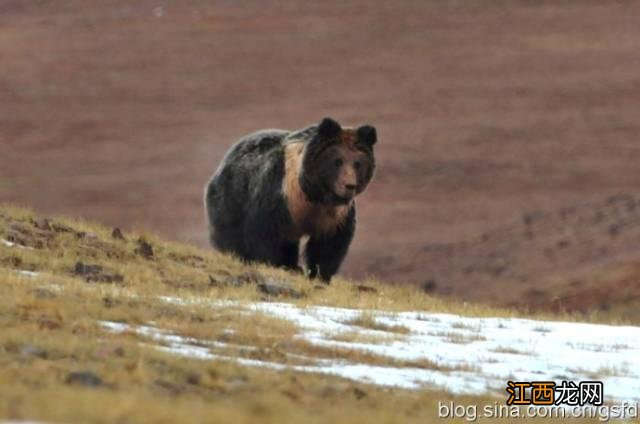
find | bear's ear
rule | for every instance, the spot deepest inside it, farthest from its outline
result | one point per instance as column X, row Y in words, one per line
column 367, row 135
column 329, row 128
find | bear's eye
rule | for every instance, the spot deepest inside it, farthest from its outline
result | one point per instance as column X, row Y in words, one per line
column 338, row 163
column 357, row 165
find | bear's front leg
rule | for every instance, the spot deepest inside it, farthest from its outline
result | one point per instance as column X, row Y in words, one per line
column 271, row 247
column 265, row 236
column 324, row 254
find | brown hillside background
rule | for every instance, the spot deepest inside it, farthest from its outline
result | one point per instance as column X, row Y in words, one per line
column 508, row 153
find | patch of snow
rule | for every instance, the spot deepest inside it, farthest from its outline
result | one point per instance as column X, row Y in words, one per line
column 493, row 350
column 31, row 274
column 197, row 300
column 12, row 244
column 470, row 355
column 409, row 378
column 173, row 341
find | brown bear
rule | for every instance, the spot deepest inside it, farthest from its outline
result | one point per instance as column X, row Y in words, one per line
column 274, row 187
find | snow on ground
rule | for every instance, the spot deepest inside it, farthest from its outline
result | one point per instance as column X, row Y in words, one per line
column 472, row 355
column 12, row 244
column 28, row 273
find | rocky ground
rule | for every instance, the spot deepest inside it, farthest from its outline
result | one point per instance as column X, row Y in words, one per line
column 579, row 258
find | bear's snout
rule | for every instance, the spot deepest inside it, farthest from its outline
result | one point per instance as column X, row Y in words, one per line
column 347, row 183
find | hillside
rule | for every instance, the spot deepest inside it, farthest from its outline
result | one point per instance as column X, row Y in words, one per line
column 583, row 258
column 487, row 111
column 105, row 326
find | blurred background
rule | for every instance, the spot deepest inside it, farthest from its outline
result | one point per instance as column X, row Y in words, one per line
column 508, row 153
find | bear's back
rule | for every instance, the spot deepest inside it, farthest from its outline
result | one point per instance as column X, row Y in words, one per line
column 256, row 144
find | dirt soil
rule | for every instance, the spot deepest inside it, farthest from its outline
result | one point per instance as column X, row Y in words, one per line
column 491, row 115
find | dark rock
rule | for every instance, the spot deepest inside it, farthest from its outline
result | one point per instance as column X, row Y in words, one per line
column 87, row 236
column 110, row 302
column 105, row 278
column 614, row 230
column 12, row 261
column 144, row 249
column 193, row 378
column 366, row 289
column 84, row 378
column 61, row 228
column 96, row 274
column 272, row 288
column 86, row 269
column 429, row 285
column 117, row 234
column 359, row 393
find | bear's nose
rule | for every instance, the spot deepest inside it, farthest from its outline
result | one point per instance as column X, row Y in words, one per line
column 350, row 187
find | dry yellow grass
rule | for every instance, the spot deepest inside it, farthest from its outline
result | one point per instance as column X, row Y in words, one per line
column 58, row 364
column 367, row 320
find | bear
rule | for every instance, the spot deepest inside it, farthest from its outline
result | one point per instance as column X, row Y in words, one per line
column 276, row 187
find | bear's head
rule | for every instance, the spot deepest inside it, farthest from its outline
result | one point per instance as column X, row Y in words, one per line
column 338, row 163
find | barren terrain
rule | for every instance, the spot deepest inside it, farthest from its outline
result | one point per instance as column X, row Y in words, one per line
column 489, row 114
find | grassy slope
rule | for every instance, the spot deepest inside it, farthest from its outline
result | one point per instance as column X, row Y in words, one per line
column 50, row 330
